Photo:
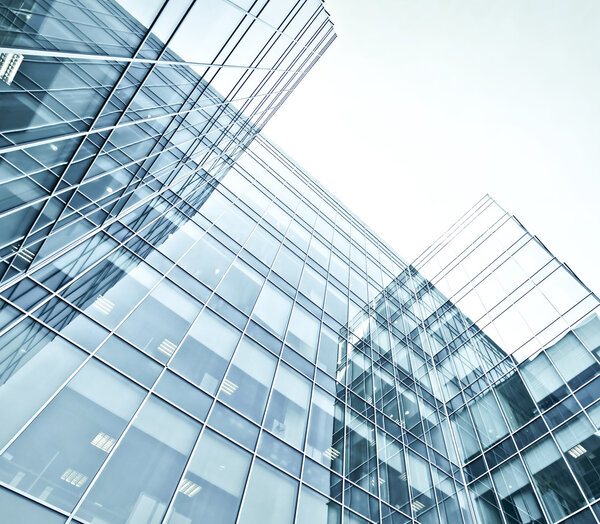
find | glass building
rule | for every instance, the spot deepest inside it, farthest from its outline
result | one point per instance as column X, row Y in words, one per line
column 192, row 330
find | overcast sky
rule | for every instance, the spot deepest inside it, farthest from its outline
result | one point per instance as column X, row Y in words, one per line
column 421, row 107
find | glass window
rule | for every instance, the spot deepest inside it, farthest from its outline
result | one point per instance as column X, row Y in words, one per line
column 288, row 407
column 312, row 285
column 463, row 428
column 314, row 508
column 183, row 395
column 515, row 401
column 205, row 353
column 211, row 489
column 111, row 289
column 336, row 304
column 328, row 350
column 487, row 419
column 545, row 384
column 262, row 245
column 129, row 360
column 273, row 309
column 241, row 286
column 303, row 333
column 581, row 447
column 58, row 454
column 246, row 386
column 574, row 362
column 392, row 471
column 34, row 363
column 516, row 494
column 208, row 261
column 361, row 460
column 268, row 488
column 141, row 477
column 159, row 323
column 553, row 481
column 326, row 430
column 19, row 510
column 288, row 265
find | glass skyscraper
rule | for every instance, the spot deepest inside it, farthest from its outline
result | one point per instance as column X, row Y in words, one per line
column 192, row 330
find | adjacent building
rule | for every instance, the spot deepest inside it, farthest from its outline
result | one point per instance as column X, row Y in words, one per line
column 193, row 330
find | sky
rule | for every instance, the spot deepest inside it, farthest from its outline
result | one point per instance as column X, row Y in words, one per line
column 421, row 107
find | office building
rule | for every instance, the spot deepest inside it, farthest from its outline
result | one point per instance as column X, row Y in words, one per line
column 193, row 330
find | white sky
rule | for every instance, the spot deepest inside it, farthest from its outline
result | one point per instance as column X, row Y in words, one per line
column 421, row 107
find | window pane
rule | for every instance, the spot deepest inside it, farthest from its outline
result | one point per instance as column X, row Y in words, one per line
column 326, row 430
column 34, row 363
column 212, row 487
column 268, row 488
column 273, row 309
column 303, row 333
column 141, row 477
column 555, row 485
column 62, row 449
column 160, row 321
column 581, row 446
column 316, row 509
column 249, row 379
column 288, row 407
column 17, row 509
column 205, row 353
column 241, row 286
column 208, row 261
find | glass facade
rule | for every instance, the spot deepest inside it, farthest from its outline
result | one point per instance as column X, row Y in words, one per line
column 193, row 330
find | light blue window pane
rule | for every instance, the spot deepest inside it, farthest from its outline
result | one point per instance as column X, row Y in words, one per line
column 72, row 436
column 312, row 285
column 541, row 377
column 19, row 510
column 159, row 323
column 268, row 488
column 278, row 218
column 246, row 386
column 262, row 245
column 111, row 289
column 589, row 332
column 554, row 483
column 303, row 333
column 280, row 454
column 361, row 464
column 485, row 502
column 141, row 477
column 204, row 355
column 392, row 472
column 328, row 350
column 236, row 224
column 339, row 269
column 183, row 395
column 272, row 309
column 130, row 361
column 319, row 252
column 314, row 508
column 325, row 441
column 211, row 489
column 487, row 419
column 463, row 428
column 177, row 242
column 208, row 261
column 572, row 359
column 516, row 493
column 581, row 447
column 336, row 304
column 241, row 286
column 34, row 363
column 288, row 265
column 288, row 407
column 298, row 235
